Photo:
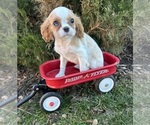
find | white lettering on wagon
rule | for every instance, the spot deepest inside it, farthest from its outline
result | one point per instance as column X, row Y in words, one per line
column 99, row 72
column 88, row 75
column 74, row 79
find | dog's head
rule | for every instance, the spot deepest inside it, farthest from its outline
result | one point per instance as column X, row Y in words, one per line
column 61, row 23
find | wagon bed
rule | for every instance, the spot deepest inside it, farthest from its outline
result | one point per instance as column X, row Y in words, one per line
column 73, row 76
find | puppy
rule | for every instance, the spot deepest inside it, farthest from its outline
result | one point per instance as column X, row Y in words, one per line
column 71, row 43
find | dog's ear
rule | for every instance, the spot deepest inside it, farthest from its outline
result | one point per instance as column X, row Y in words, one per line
column 79, row 27
column 46, row 31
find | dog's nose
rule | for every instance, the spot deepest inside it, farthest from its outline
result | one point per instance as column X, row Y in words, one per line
column 66, row 29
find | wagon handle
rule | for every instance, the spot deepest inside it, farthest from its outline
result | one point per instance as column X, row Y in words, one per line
column 36, row 87
column 11, row 99
column 27, row 98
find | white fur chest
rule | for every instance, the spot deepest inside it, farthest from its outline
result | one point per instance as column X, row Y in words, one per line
column 66, row 52
column 61, row 50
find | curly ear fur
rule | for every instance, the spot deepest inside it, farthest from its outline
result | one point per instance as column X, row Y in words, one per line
column 79, row 27
column 46, row 32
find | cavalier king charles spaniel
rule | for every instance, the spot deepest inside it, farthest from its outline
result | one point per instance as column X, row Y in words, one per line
column 71, row 43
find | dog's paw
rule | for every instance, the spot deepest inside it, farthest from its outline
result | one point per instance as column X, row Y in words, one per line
column 77, row 66
column 59, row 75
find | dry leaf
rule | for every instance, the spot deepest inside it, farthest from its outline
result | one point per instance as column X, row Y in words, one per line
column 2, row 120
column 64, row 115
column 4, row 97
column 95, row 122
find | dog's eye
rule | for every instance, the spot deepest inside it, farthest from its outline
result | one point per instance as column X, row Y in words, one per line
column 71, row 20
column 56, row 23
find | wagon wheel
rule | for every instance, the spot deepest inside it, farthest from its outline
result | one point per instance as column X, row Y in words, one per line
column 105, row 84
column 51, row 101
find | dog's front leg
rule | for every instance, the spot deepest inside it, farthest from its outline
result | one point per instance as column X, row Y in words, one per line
column 63, row 62
column 83, row 63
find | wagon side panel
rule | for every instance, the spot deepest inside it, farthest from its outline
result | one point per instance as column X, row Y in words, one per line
column 80, row 78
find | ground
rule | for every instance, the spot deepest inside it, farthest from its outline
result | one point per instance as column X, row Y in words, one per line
column 82, row 105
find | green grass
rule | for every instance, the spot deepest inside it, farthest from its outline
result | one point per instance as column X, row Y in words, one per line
column 82, row 104
column 141, row 98
column 8, row 114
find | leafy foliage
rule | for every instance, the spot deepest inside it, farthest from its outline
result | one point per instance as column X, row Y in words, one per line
column 108, row 21
column 141, row 23
column 8, row 36
column 32, row 50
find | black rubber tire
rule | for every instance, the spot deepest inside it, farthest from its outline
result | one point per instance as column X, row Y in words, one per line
column 48, row 101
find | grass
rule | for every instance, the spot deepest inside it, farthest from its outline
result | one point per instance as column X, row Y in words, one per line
column 82, row 104
column 141, row 98
column 8, row 114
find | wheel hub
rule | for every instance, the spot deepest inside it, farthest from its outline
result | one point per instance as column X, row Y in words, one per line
column 51, row 104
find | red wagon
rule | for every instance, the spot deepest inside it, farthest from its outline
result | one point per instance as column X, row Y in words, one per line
column 104, row 81
column 52, row 100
